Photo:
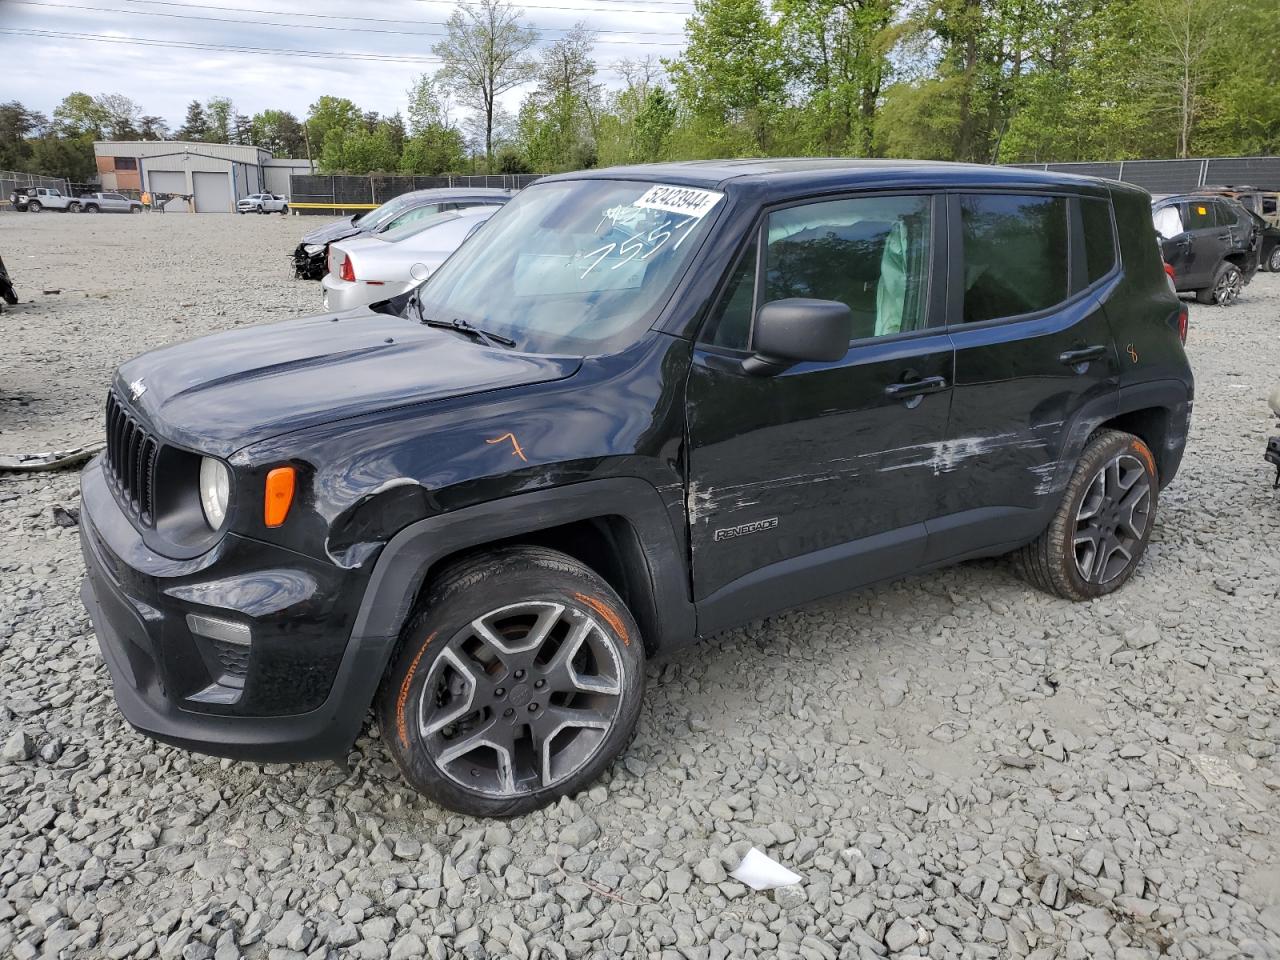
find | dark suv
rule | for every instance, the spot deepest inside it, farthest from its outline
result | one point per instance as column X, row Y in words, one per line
column 643, row 405
column 1212, row 243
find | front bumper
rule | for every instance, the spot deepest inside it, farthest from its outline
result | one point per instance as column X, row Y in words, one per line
column 310, row 266
column 304, row 685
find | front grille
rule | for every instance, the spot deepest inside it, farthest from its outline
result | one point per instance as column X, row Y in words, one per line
column 131, row 461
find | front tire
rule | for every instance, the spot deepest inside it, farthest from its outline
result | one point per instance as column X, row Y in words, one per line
column 1273, row 261
column 518, row 683
column 1100, row 530
column 73, row 208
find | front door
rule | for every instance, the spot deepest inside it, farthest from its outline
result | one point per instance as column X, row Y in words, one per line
column 806, row 482
column 1035, row 360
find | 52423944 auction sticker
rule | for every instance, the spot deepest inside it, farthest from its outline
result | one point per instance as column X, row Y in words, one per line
column 688, row 201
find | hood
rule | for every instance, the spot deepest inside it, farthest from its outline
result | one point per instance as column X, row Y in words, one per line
column 336, row 230
column 226, row 391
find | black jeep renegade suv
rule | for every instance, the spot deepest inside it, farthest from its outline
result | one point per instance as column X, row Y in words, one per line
column 640, row 406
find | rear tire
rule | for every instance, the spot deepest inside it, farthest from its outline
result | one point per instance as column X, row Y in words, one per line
column 91, row 208
column 1228, row 281
column 518, row 682
column 35, row 206
column 1101, row 528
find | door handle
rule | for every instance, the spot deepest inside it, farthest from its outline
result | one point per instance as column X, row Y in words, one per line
column 1071, row 358
column 1225, row 237
column 916, row 388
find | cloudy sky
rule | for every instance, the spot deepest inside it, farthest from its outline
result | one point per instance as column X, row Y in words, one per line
column 302, row 49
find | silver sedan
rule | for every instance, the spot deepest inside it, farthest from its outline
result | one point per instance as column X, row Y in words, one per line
column 369, row 268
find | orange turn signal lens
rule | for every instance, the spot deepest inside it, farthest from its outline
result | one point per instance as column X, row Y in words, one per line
column 275, row 506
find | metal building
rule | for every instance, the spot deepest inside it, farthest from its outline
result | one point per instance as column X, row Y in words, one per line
column 214, row 175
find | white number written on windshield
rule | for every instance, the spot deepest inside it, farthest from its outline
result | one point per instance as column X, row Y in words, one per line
column 639, row 245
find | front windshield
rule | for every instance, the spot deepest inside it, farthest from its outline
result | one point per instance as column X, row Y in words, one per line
column 575, row 266
column 389, row 209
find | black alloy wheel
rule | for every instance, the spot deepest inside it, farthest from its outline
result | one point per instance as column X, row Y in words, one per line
column 1113, row 519
column 1100, row 528
column 518, row 683
column 520, row 698
column 1227, row 285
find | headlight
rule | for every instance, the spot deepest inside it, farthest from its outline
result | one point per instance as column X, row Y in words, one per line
column 215, row 491
column 313, row 247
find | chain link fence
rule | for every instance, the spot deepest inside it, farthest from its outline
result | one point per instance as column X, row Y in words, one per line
column 1178, row 176
column 332, row 194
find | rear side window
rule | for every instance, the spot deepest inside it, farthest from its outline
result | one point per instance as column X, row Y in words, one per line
column 1227, row 216
column 1015, row 254
column 1200, row 215
column 1099, row 242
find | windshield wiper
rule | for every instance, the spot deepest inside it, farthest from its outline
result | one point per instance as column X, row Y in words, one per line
column 461, row 326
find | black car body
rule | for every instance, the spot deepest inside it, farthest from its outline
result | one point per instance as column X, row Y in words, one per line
column 1211, row 242
column 7, row 293
column 687, row 457
column 310, row 257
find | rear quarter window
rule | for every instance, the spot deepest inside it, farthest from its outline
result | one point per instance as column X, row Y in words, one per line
column 1099, row 239
column 1015, row 254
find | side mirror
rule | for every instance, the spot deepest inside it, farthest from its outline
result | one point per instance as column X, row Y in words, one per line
column 799, row 330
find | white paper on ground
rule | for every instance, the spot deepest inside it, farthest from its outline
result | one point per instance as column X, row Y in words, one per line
column 761, row 873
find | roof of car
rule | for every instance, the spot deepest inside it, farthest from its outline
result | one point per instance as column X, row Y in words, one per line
column 791, row 173
column 457, row 193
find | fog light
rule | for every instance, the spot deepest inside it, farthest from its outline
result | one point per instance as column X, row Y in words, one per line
column 227, row 631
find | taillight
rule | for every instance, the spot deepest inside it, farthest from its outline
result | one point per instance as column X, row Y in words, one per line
column 1184, row 322
column 348, row 271
column 1168, row 272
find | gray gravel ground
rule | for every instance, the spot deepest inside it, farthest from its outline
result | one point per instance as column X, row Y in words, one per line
column 958, row 766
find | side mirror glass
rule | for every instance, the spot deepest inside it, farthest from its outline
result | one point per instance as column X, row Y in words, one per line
column 799, row 330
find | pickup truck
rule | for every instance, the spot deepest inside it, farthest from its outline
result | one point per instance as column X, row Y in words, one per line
column 36, row 199
column 262, row 203
column 109, row 203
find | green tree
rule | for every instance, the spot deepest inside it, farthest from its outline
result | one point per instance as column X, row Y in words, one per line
column 60, row 155
column 221, row 127
column 731, row 75
column 151, row 127
column 485, row 54
column 17, row 126
column 837, row 53
column 79, row 115
column 558, row 120
column 434, row 145
column 278, row 131
column 196, row 125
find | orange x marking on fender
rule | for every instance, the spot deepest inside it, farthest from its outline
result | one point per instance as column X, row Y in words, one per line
column 516, row 451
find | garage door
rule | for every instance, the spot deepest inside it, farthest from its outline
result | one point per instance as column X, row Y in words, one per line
column 171, row 182
column 213, row 192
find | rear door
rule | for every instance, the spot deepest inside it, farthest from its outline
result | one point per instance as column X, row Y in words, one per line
column 1034, row 353
column 816, row 479
column 1210, row 241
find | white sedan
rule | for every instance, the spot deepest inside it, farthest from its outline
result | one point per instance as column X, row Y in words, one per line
column 373, row 267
